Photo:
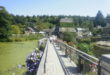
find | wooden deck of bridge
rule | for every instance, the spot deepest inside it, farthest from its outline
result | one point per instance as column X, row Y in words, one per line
column 54, row 65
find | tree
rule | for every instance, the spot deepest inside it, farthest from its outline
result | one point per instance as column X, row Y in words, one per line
column 87, row 24
column 15, row 29
column 108, row 19
column 97, row 31
column 99, row 19
column 45, row 25
column 68, row 36
column 5, row 22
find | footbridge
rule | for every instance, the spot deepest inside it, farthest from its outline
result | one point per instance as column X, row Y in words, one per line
column 62, row 59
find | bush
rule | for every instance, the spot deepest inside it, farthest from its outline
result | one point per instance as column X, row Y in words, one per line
column 69, row 36
column 19, row 39
column 86, row 47
column 42, row 47
column 25, row 37
column 84, row 40
column 3, row 40
column 64, row 24
column 95, row 38
column 15, row 29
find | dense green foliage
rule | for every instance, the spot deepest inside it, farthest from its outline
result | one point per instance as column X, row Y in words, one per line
column 22, row 37
column 15, row 29
column 83, row 44
column 85, row 47
column 97, row 31
column 67, row 36
column 99, row 19
column 64, row 24
column 17, row 24
column 46, row 25
column 5, row 22
column 84, row 40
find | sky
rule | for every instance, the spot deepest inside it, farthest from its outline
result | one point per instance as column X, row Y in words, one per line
column 56, row 7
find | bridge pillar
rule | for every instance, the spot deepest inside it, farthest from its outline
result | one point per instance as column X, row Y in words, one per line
column 104, row 65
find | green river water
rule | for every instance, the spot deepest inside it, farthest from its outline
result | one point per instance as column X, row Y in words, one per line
column 12, row 54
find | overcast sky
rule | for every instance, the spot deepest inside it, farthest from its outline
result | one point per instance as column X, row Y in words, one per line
column 56, row 7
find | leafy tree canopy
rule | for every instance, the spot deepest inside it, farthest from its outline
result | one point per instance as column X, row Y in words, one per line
column 15, row 29
column 99, row 19
column 5, row 21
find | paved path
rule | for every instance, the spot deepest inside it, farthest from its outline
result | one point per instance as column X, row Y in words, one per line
column 53, row 65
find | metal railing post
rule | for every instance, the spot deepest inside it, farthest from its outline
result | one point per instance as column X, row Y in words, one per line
column 99, row 68
column 66, row 51
column 80, row 65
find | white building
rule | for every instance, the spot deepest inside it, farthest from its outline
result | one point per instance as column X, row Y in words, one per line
column 83, row 32
column 67, row 29
column 66, row 19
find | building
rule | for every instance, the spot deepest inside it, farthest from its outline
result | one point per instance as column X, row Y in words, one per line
column 66, row 19
column 83, row 32
column 67, row 29
column 30, row 30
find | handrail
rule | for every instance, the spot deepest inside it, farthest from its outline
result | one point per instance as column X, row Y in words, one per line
column 45, row 58
column 62, row 63
column 84, row 61
column 79, row 51
column 42, row 65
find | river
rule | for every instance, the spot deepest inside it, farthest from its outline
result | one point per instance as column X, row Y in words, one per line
column 13, row 54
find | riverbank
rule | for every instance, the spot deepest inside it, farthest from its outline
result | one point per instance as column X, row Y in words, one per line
column 13, row 54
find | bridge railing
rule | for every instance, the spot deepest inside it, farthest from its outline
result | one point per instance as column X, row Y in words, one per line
column 42, row 65
column 87, row 64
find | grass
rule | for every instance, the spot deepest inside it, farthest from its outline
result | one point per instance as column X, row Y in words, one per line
column 14, row 53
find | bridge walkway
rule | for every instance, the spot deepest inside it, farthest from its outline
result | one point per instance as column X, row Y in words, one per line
column 68, row 65
column 53, row 66
column 57, row 64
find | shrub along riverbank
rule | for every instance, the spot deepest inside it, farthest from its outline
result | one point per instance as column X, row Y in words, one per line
column 22, row 37
column 83, row 44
